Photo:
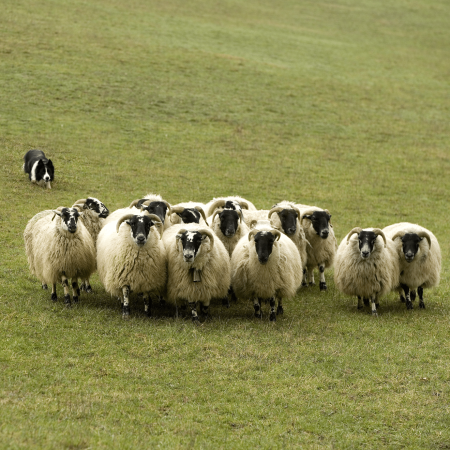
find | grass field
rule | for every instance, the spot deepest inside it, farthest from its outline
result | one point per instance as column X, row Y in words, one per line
column 342, row 104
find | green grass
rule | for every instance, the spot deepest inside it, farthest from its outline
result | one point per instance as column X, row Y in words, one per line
column 340, row 104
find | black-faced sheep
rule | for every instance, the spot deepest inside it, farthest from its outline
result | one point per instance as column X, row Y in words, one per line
column 266, row 265
column 59, row 249
column 420, row 259
column 366, row 266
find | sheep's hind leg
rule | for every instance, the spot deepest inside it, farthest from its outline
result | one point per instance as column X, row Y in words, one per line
column 360, row 303
column 148, row 304
column 280, row 309
column 193, row 306
column 204, row 310
column 257, row 306
column 305, row 278
column 409, row 304
column 412, row 295
column 54, row 296
column 311, row 278
column 323, row 283
column 87, row 286
column 420, row 292
column 65, row 283
column 75, row 290
column 273, row 314
column 126, row 302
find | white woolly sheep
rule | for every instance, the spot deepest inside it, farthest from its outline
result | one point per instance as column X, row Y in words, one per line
column 420, row 259
column 366, row 267
column 266, row 265
column 187, row 212
column 231, row 202
column 198, row 266
column 60, row 249
column 93, row 218
column 320, row 235
column 131, row 257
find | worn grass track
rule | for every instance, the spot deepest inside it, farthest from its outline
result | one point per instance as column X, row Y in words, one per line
column 341, row 104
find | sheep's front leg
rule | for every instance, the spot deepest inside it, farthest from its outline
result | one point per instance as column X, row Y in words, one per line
column 420, row 292
column 412, row 294
column 54, row 296
column 257, row 306
column 273, row 314
column 86, row 286
column 44, row 286
column 323, row 283
column 75, row 290
column 204, row 309
column 193, row 306
column 305, row 278
column 65, row 283
column 280, row 306
column 126, row 302
column 405, row 288
column 374, row 306
column 226, row 300
column 360, row 303
column 311, row 278
column 148, row 304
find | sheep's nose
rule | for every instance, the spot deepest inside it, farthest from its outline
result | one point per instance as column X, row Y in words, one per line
column 409, row 256
column 324, row 234
column 365, row 254
column 140, row 239
column 291, row 230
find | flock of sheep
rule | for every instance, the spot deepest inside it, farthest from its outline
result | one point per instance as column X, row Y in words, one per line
column 192, row 253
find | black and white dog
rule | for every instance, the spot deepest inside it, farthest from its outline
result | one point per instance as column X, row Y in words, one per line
column 39, row 168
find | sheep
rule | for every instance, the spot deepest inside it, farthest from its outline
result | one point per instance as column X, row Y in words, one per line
column 58, row 250
column 266, row 265
column 153, row 203
column 93, row 217
column 198, row 266
column 231, row 202
column 322, row 242
column 420, row 260
column 187, row 212
column 130, row 257
column 365, row 267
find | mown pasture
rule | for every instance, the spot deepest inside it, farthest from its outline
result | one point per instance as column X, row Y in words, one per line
column 341, row 104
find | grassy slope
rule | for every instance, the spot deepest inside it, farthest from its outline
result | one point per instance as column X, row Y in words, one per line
column 339, row 104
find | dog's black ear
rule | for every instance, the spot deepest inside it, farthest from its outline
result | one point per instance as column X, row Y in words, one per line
column 40, row 164
column 50, row 164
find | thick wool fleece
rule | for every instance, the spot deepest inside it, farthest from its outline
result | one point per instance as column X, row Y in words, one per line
column 53, row 252
column 120, row 262
column 280, row 277
column 214, row 266
column 92, row 222
column 425, row 268
column 377, row 275
column 321, row 251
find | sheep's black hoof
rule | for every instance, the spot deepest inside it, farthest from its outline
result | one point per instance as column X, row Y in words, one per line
column 304, row 283
column 67, row 300
column 280, row 310
column 366, row 302
column 126, row 312
column 258, row 315
column 402, row 299
column 89, row 289
column 272, row 316
column 409, row 305
column 54, row 297
column 78, row 292
column 75, row 299
column 195, row 320
column 311, row 283
column 226, row 302
column 44, row 286
column 323, row 286
column 412, row 295
column 422, row 305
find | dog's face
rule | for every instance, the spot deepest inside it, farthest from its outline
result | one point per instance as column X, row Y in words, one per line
column 45, row 171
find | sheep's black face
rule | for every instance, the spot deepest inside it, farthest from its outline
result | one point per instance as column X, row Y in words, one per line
column 264, row 245
column 158, row 208
column 96, row 205
column 366, row 240
column 410, row 242
column 69, row 219
column 190, row 215
column 229, row 222
column 140, row 229
column 288, row 218
column 191, row 242
column 321, row 223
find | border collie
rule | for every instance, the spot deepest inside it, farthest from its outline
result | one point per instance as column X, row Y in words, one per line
column 39, row 168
